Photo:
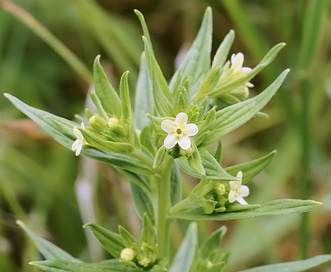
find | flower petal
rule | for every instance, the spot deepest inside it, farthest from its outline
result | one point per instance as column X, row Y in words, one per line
column 168, row 126
column 240, row 175
column 181, row 119
column 241, row 201
column 170, row 141
column 184, row 142
column 237, row 61
column 243, row 190
column 190, row 129
column 232, row 196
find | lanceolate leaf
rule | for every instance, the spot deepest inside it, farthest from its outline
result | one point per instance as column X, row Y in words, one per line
column 185, row 254
column 175, row 185
column 209, row 168
column 111, row 241
column 161, row 92
column 46, row 248
column 236, row 115
column 296, row 266
column 67, row 266
column 213, row 242
column 143, row 102
column 275, row 207
column 252, row 168
column 42, row 118
column 142, row 202
column 223, row 50
column 147, row 232
column 197, row 60
column 61, row 130
column 104, row 90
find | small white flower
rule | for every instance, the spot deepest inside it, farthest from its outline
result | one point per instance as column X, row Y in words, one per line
column 238, row 191
column 80, row 141
column 237, row 61
column 179, row 131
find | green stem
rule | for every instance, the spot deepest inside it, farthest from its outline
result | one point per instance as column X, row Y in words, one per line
column 163, row 223
column 181, row 205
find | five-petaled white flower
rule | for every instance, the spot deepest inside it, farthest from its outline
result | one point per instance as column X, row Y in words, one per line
column 238, row 191
column 237, row 61
column 80, row 141
column 179, row 131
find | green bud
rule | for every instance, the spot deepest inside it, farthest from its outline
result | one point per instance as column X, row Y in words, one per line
column 209, row 265
column 97, row 123
column 116, row 130
column 220, row 189
column 241, row 92
column 144, row 261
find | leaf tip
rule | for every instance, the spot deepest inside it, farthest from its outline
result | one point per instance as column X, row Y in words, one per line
column 137, row 12
column 87, row 226
column 20, row 223
column 8, row 96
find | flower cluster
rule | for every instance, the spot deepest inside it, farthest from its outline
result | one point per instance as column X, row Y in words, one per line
column 215, row 196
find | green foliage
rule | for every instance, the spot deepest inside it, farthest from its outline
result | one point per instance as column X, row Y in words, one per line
column 212, row 99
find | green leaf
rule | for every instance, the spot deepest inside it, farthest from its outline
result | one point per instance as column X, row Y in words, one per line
column 58, row 265
column 203, row 165
column 185, row 254
column 147, row 232
column 274, row 207
column 236, row 115
column 192, row 165
column 296, row 266
column 142, row 202
column 117, row 147
column 213, row 242
column 61, row 130
column 252, row 168
column 125, row 98
column 223, row 50
column 108, row 97
column 127, row 237
column 143, row 26
column 197, row 60
column 111, row 241
column 42, row 118
column 175, row 185
column 239, row 81
column 161, row 92
column 46, row 248
column 143, row 102
column 124, row 161
column 212, row 167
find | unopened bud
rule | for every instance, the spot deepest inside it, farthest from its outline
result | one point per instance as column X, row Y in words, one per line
column 144, row 261
column 127, row 254
column 97, row 123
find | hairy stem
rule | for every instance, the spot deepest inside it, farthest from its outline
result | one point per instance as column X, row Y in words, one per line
column 163, row 223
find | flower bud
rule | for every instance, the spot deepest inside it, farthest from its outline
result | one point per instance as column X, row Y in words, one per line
column 97, row 123
column 144, row 261
column 116, row 130
column 127, row 254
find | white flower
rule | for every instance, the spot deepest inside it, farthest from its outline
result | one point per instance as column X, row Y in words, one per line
column 179, row 131
column 237, row 61
column 80, row 141
column 238, row 191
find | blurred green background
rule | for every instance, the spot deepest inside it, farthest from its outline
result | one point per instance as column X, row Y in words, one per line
column 47, row 50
